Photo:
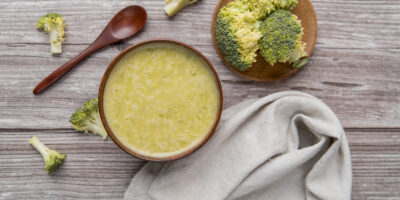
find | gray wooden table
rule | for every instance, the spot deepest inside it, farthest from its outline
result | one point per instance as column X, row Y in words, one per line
column 355, row 69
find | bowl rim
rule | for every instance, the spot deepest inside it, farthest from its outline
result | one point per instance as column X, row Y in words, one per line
column 115, row 138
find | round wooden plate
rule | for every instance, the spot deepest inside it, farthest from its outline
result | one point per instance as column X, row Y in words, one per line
column 263, row 71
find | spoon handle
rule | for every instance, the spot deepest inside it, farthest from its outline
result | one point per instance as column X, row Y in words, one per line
column 61, row 71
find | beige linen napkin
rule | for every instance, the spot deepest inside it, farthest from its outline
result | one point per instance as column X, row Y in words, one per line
column 285, row 146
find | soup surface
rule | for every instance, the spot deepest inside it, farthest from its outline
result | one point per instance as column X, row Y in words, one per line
column 161, row 99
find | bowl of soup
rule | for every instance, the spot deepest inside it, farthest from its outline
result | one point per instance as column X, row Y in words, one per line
column 160, row 100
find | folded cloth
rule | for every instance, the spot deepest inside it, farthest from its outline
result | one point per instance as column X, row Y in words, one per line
column 285, row 146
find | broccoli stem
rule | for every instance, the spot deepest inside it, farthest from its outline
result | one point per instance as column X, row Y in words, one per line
column 39, row 146
column 176, row 5
column 100, row 130
column 55, row 46
column 97, row 126
column 301, row 62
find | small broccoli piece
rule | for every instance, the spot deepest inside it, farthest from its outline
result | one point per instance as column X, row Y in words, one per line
column 174, row 6
column 262, row 8
column 87, row 118
column 52, row 159
column 236, row 29
column 54, row 25
column 236, row 34
column 281, row 40
column 230, row 46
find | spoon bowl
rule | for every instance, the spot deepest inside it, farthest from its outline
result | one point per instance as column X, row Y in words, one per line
column 127, row 22
column 124, row 24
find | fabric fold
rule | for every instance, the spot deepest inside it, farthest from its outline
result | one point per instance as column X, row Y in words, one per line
column 287, row 145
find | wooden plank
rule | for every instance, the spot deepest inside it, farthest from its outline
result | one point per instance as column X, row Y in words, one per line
column 358, row 98
column 93, row 168
column 375, row 155
column 342, row 24
column 97, row 169
column 362, row 88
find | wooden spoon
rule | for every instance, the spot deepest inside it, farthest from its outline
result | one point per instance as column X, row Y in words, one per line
column 124, row 24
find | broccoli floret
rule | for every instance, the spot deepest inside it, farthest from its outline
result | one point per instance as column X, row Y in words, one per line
column 174, row 6
column 236, row 34
column 52, row 159
column 87, row 119
column 54, row 25
column 230, row 47
column 281, row 40
column 262, row 8
column 236, row 29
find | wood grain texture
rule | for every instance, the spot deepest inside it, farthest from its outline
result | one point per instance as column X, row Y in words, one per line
column 354, row 69
column 99, row 169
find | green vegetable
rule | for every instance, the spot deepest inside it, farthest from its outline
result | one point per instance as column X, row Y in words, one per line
column 87, row 119
column 52, row 159
column 174, row 6
column 230, row 45
column 54, row 25
column 281, row 40
column 301, row 62
column 236, row 28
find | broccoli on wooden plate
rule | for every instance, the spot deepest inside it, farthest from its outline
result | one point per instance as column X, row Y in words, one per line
column 174, row 6
column 236, row 28
column 281, row 41
column 87, row 119
column 52, row 159
column 54, row 25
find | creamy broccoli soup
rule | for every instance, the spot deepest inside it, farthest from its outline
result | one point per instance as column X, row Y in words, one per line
column 161, row 99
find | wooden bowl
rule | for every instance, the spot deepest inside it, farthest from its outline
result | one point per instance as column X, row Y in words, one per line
column 116, row 139
column 261, row 70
